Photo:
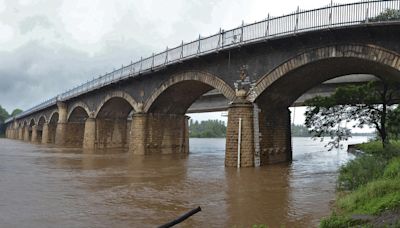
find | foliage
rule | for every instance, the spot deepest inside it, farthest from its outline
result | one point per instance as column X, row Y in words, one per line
column 3, row 114
column 360, row 171
column 367, row 104
column 375, row 148
column 387, row 15
column 338, row 221
column 392, row 170
column 371, row 185
column 16, row 112
column 394, row 123
column 207, row 129
column 373, row 198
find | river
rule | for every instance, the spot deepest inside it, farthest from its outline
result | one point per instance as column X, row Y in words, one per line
column 43, row 186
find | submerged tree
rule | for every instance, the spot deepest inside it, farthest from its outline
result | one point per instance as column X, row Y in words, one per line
column 369, row 104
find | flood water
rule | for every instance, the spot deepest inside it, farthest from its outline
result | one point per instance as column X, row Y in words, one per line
column 42, row 186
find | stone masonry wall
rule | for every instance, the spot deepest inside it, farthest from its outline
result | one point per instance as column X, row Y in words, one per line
column 159, row 133
column 275, row 139
column 245, row 112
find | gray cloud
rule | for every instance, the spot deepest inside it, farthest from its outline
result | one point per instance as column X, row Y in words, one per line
column 49, row 46
column 29, row 23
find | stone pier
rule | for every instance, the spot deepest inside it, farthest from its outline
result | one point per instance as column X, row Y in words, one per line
column 61, row 129
column 89, row 133
column 45, row 133
column 240, row 115
column 34, row 136
column 159, row 133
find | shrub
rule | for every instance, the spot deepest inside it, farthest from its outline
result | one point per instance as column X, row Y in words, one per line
column 373, row 198
column 338, row 221
column 392, row 170
column 360, row 171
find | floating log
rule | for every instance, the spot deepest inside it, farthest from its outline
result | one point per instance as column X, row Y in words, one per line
column 181, row 218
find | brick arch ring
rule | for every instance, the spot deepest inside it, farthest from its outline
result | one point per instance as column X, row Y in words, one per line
column 52, row 114
column 120, row 94
column 44, row 117
column 30, row 121
column 199, row 76
column 366, row 52
column 80, row 104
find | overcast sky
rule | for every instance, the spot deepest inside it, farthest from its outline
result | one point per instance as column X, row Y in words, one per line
column 49, row 46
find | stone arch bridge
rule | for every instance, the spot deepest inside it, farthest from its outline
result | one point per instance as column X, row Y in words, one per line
column 259, row 69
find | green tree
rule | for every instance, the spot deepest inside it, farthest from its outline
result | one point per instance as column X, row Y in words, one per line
column 207, row 129
column 3, row 114
column 394, row 123
column 368, row 104
column 387, row 15
column 16, row 112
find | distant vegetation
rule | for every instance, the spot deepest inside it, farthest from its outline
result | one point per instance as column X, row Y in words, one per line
column 217, row 129
column 207, row 129
column 299, row 130
column 5, row 115
column 387, row 15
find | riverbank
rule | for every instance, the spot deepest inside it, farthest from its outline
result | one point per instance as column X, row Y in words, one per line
column 369, row 189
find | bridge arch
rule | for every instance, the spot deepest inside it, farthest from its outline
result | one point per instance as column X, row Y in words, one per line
column 80, row 105
column 40, row 124
column 201, row 79
column 117, row 94
column 42, row 118
column 366, row 57
column 52, row 122
column 281, row 87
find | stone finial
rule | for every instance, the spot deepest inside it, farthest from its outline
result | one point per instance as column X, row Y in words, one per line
column 140, row 107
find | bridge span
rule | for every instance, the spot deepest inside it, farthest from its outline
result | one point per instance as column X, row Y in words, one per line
column 255, row 71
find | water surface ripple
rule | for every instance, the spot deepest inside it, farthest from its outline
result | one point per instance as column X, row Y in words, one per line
column 43, row 186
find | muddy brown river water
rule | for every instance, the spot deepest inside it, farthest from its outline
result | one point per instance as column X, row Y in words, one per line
column 43, row 186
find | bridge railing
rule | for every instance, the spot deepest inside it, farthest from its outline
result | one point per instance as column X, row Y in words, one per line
column 333, row 15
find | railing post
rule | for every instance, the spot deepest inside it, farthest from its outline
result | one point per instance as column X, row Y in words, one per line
column 141, row 64
column 219, row 39
column 152, row 61
column 222, row 38
column 330, row 13
column 181, row 50
column 166, row 56
column 198, row 48
column 367, row 13
column 122, row 70
column 241, row 32
column 131, row 70
column 267, row 29
column 297, row 19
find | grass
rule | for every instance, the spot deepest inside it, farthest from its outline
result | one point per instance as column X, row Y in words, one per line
column 372, row 198
column 392, row 170
column 376, row 148
column 360, row 171
column 369, row 185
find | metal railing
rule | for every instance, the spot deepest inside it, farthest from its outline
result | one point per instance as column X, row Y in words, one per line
column 333, row 15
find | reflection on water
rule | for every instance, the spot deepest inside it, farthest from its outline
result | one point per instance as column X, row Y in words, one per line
column 50, row 187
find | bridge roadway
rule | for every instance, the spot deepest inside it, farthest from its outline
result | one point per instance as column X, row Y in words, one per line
column 260, row 69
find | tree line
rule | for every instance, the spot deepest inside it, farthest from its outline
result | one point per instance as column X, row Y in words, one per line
column 207, row 129
column 5, row 115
